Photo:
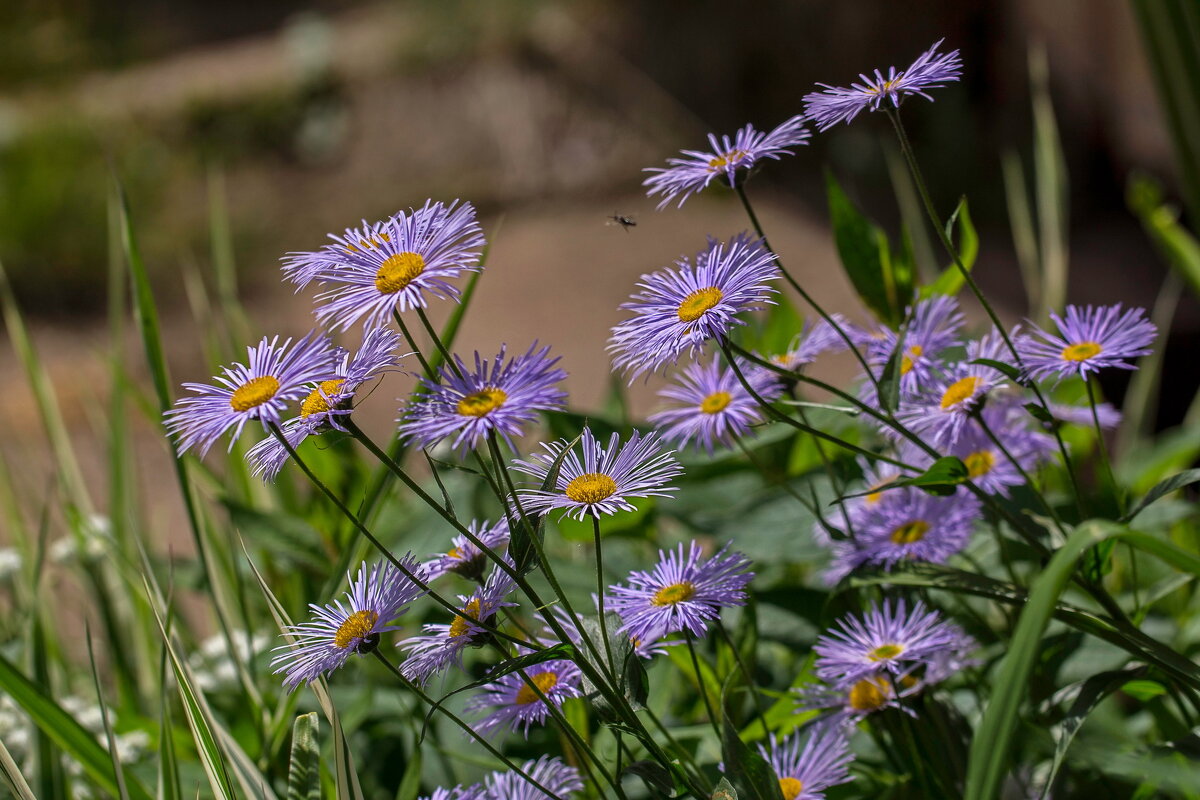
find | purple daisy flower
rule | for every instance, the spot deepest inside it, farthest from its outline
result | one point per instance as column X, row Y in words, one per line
column 835, row 104
column 892, row 639
column 1109, row 416
column 442, row 645
column 495, row 396
column 339, row 630
column 512, row 704
column 1089, row 340
column 681, row 309
column 907, row 524
column 302, row 268
column 604, row 480
column 329, row 399
column 558, row 778
column 423, row 249
column 693, row 173
column 275, row 375
column 805, row 772
column 987, row 466
column 852, row 703
column 714, row 406
column 942, row 408
column 464, row 557
column 933, row 327
column 473, row 792
column 812, row 341
column 681, row 593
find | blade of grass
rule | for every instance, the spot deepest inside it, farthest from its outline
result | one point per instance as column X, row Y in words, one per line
column 1020, row 219
column 13, row 777
column 1050, row 176
column 304, row 780
column 118, row 773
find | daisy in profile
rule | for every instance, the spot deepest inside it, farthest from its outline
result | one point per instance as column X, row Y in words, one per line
column 329, row 400
column 258, row 390
column 728, row 160
column 933, row 327
column 683, row 592
column 812, row 341
column 887, row 638
column 511, row 704
column 339, row 630
column 464, row 557
column 423, row 249
column 302, row 268
column 680, row 309
column 496, row 395
column 1088, row 340
column 835, row 104
column 558, row 778
column 710, row 406
column 604, row 480
column 443, row 645
column 807, row 765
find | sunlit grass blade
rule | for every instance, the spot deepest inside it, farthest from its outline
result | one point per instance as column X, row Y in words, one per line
column 1050, row 180
column 304, row 780
column 168, row 759
column 13, row 777
column 118, row 773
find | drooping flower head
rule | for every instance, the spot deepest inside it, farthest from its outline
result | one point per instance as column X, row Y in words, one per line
column 729, row 160
column 933, row 327
column 680, row 309
column 1088, row 340
column 604, row 480
column 496, row 395
column 339, row 630
column 512, row 704
column 258, row 390
column 710, row 405
column 558, row 778
column 807, row 765
column 684, row 592
column 887, row 638
column 329, row 400
column 442, row 645
column 464, row 557
column 423, row 250
column 835, row 104
column 302, row 268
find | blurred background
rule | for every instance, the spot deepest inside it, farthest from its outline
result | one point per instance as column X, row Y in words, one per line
column 242, row 131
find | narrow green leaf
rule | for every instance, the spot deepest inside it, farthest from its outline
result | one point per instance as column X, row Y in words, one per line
column 752, row 775
column 950, row 281
column 1172, row 484
column 1050, row 187
column 118, row 772
column 410, row 784
column 13, row 777
column 1008, row 370
column 863, row 250
column 304, row 767
column 941, row 479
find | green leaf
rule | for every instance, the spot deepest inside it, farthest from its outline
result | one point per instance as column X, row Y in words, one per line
column 1177, row 246
column 1172, row 484
column 1008, row 370
column 993, row 736
column 631, row 673
column 66, row 733
column 884, row 285
column 304, row 768
column 951, row 279
column 941, row 479
column 1144, row 690
column 12, row 776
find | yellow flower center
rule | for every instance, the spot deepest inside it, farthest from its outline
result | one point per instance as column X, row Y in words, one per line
column 1081, row 351
column 868, row 694
column 906, row 363
column 545, row 681
column 980, row 463
column 254, row 392
column 482, row 403
column 591, row 487
column 910, row 532
column 885, row 652
column 725, row 159
column 357, row 626
column 715, row 402
column 959, row 391
column 315, row 403
column 674, row 594
column 454, row 552
column 695, row 304
column 398, row 271
column 790, row 788
column 461, row 625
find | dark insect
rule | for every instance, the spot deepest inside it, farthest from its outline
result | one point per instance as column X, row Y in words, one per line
column 622, row 220
column 367, row 644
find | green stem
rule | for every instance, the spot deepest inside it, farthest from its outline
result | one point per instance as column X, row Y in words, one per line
column 437, row 342
column 1049, row 509
column 1103, row 446
column 425, row 367
column 612, row 667
column 737, row 655
column 708, row 706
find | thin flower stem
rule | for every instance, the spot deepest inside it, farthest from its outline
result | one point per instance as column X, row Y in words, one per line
column 685, row 757
column 467, row 729
column 437, row 342
column 612, row 667
column 1049, row 509
column 708, row 706
column 1104, row 455
column 737, row 656
column 813, row 507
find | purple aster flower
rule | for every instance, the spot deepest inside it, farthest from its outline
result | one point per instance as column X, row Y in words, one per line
column 513, row 705
column 464, row 557
column 473, row 792
column 337, row 631
column 712, row 405
column 442, row 645
column 812, row 341
column 558, row 778
column 687, row 176
column 907, row 524
column 835, row 104
column 1089, row 340
column 302, row 268
column 422, row 251
column 495, row 396
column 681, row 309
column 865, row 696
column 1082, row 415
column 805, row 772
column 329, row 399
column 604, row 480
column 933, row 327
column 275, row 374
column 681, row 593
column 942, row 408
column 987, row 466
column 890, row 639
